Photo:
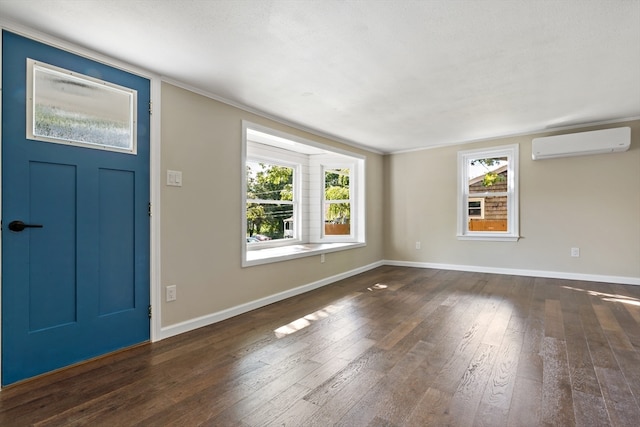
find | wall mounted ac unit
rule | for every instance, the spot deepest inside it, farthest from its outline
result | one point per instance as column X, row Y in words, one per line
column 582, row 143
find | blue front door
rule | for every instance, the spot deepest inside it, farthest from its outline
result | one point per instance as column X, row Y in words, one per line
column 78, row 286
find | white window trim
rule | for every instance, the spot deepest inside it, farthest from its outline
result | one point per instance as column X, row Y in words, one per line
column 513, row 227
column 308, row 244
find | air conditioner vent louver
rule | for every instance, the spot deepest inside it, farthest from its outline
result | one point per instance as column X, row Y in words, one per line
column 582, row 143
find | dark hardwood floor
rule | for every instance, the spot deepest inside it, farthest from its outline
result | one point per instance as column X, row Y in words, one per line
column 390, row 347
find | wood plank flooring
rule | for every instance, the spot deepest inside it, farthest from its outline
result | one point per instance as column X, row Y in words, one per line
column 391, row 347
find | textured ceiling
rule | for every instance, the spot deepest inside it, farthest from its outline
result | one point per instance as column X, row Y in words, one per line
column 389, row 75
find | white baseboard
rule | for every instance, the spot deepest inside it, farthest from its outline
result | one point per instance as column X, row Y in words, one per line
column 519, row 272
column 189, row 325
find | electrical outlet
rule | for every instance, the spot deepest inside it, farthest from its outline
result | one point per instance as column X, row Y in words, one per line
column 171, row 293
column 575, row 252
column 417, row 245
column 321, row 258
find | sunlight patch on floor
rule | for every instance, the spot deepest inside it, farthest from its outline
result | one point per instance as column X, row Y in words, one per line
column 608, row 297
column 305, row 321
column 377, row 286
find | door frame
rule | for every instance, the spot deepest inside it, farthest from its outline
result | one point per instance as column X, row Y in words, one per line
column 155, row 301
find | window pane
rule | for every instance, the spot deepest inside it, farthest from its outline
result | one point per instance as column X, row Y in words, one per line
column 266, row 221
column 270, row 207
column 74, row 108
column 337, row 218
column 269, row 182
column 336, row 184
column 495, row 215
column 488, row 175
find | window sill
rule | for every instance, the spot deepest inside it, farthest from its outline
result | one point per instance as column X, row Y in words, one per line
column 489, row 237
column 285, row 253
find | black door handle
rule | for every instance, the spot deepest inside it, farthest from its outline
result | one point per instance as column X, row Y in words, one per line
column 19, row 226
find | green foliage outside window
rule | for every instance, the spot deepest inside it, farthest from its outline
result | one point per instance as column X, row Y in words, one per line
column 490, row 178
column 337, row 188
column 268, row 183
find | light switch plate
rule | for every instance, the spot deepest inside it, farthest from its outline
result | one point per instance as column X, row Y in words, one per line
column 174, row 178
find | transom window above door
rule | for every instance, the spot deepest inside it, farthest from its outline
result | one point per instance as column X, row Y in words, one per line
column 65, row 107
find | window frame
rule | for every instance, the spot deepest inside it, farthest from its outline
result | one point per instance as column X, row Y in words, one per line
column 511, row 152
column 309, row 237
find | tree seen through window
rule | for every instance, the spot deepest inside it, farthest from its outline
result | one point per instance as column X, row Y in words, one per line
column 270, row 199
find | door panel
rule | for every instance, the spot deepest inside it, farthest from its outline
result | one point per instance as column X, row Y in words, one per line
column 79, row 286
column 52, row 276
column 117, row 226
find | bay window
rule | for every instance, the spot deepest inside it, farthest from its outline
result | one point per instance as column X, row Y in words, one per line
column 300, row 197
